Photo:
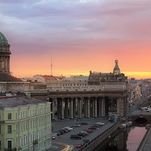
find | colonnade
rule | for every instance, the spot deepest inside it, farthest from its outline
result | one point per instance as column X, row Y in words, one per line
column 85, row 107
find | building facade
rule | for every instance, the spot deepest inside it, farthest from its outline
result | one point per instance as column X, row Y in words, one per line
column 25, row 124
column 98, row 96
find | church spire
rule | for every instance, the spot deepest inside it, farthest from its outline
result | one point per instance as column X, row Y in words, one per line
column 116, row 69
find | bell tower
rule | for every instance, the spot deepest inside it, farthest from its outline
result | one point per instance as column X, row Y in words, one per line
column 4, row 55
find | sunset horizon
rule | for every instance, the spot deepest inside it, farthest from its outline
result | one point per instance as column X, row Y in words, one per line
column 79, row 36
column 75, row 75
column 136, row 75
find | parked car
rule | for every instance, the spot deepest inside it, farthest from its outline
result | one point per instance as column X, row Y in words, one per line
column 86, row 141
column 75, row 137
column 77, row 125
column 65, row 130
column 82, row 134
column 84, row 123
column 144, row 108
column 88, row 130
column 92, row 128
column 100, row 123
column 148, row 110
column 68, row 128
column 61, row 132
column 96, row 125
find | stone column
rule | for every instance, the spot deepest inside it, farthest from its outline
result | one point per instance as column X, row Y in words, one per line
column 80, row 105
column 92, row 107
column 58, row 108
column 8, row 64
column 5, row 64
column 88, row 108
column 74, row 107
column 99, row 107
column 53, row 109
column 85, row 107
column 71, row 108
column 66, row 108
column 103, row 107
column 62, row 108
column 95, row 107
column 120, row 107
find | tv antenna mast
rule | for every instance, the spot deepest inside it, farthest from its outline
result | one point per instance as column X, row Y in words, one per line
column 51, row 67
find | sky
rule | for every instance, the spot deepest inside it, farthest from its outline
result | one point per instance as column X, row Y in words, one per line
column 79, row 36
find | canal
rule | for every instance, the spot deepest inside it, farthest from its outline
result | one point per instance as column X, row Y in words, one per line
column 126, row 140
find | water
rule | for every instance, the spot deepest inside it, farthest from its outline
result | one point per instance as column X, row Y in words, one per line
column 135, row 136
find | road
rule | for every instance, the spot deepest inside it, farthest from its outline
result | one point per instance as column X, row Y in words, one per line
column 65, row 138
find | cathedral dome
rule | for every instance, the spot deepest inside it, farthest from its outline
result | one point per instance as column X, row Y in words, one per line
column 3, row 39
column 4, row 46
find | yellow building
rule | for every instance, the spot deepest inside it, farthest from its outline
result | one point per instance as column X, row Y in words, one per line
column 25, row 124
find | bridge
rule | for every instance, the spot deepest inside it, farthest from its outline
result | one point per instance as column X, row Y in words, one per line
column 140, row 116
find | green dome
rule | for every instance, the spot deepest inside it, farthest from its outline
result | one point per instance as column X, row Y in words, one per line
column 3, row 39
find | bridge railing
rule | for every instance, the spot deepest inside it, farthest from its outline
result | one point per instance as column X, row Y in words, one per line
column 100, row 138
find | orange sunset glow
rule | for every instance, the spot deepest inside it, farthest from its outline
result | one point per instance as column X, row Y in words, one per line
column 79, row 36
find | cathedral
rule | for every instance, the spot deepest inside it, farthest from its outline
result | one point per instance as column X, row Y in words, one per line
column 5, row 61
column 8, row 83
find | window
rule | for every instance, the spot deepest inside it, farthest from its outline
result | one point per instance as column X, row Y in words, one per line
column 9, row 144
column 9, row 129
column 0, row 145
column 9, row 116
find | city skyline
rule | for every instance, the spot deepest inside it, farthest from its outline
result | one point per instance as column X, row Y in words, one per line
column 80, row 36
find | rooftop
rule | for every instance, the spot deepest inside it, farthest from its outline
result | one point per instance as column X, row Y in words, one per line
column 17, row 101
column 6, row 77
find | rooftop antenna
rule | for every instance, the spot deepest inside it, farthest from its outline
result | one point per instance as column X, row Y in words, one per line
column 51, row 67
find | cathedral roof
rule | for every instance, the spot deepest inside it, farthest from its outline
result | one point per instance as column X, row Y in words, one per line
column 3, row 39
column 5, row 77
